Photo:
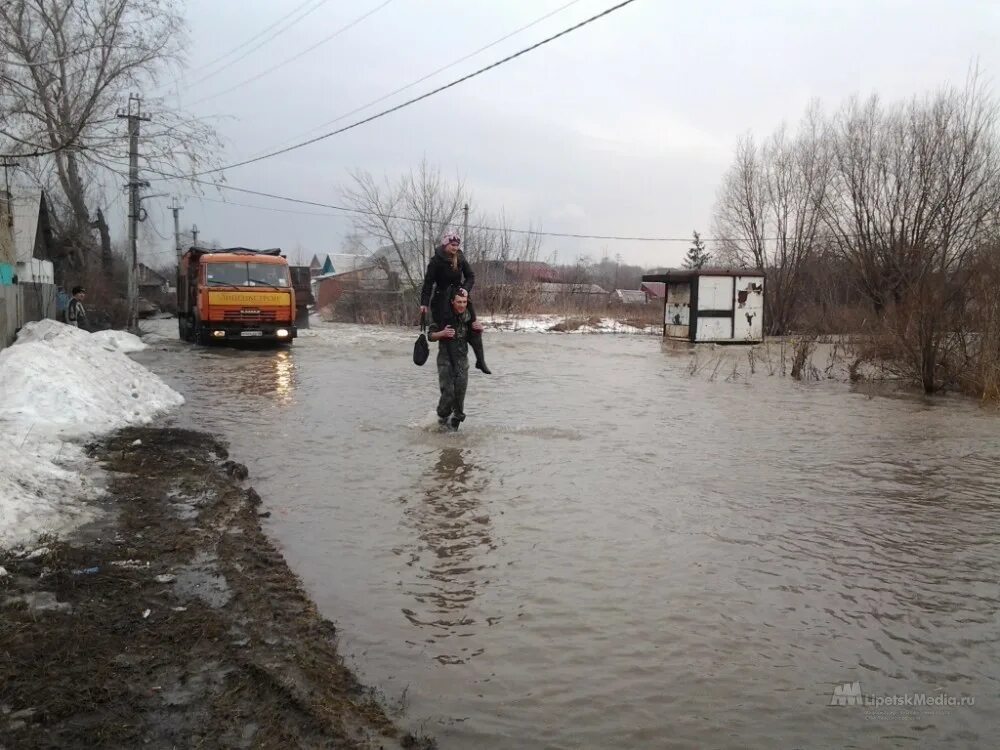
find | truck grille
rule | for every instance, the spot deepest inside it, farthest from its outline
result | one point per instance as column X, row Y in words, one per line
column 249, row 315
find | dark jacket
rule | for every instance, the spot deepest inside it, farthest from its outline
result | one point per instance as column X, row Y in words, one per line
column 76, row 314
column 456, row 349
column 441, row 276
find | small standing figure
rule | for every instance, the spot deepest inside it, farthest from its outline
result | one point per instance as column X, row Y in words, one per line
column 76, row 313
column 447, row 272
column 453, row 331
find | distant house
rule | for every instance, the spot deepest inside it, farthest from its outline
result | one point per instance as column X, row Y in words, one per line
column 322, row 267
column 315, row 266
column 360, row 272
column 8, row 255
column 496, row 273
column 630, row 296
column 408, row 260
column 549, row 293
column 653, row 290
column 27, row 290
column 152, row 283
column 32, row 237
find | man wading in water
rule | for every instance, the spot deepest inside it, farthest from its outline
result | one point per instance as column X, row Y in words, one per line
column 447, row 272
column 452, row 331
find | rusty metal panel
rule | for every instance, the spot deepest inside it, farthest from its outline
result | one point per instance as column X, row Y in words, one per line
column 748, row 324
column 677, row 310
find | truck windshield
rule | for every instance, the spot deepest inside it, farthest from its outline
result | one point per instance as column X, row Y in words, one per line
column 247, row 274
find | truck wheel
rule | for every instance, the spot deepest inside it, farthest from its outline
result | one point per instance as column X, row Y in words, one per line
column 199, row 334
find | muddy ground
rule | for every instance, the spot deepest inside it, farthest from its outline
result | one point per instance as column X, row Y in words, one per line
column 173, row 622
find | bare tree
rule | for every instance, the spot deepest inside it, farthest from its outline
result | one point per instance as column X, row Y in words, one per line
column 915, row 187
column 740, row 209
column 770, row 212
column 905, row 199
column 68, row 68
column 500, row 257
column 914, row 200
column 409, row 215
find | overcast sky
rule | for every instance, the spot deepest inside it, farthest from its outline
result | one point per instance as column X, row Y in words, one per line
column 623, row 127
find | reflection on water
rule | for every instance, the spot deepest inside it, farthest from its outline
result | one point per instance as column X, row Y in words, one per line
column 284, row 374
column 270, row 373
column 448, row 559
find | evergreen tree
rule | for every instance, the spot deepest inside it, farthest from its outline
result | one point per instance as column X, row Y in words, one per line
column 697, row 256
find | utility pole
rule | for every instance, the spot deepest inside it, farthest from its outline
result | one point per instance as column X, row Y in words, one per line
column 177, row 229
column 194, row 235
column 7, row 197
column 134, row 116
column 465, row 225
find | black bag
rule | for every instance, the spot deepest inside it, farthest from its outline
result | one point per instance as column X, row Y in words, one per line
column 421, row 349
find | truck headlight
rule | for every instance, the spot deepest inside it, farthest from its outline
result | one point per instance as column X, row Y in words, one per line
column 219, row 334
column 281, row 333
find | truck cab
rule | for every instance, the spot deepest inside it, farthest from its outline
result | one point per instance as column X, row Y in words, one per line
column 235, row 294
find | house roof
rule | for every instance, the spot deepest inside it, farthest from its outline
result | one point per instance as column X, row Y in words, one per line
column 344, row 262
column 630, row 295
column 407, row 247
column 655, row 289
column 686, row 274
column 347, row 263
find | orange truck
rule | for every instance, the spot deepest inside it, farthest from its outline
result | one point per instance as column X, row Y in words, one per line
column 235, row 294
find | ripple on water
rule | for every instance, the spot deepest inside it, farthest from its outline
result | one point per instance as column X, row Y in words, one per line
column 625, row 556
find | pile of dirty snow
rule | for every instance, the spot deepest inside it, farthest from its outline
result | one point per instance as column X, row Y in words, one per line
column 61, row 384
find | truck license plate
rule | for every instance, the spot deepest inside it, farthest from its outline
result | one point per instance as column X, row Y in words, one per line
column 251, row 333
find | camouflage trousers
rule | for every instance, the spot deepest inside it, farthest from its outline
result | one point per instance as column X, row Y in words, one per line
column 453, row 379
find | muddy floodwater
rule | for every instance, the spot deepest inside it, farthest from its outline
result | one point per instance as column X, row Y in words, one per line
column 617, row 552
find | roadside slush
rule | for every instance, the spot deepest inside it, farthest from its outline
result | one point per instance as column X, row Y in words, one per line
column 173, row 621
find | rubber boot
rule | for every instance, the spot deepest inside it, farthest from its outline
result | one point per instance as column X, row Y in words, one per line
column 476, row 342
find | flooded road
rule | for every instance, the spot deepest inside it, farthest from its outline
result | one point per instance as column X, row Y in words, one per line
column 614, row 552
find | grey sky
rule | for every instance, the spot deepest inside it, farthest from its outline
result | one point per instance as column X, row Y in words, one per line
column 623, row 127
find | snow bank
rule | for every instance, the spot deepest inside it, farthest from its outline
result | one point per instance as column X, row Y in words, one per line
column 61, row 384
column 124, row 342
column 550, row 323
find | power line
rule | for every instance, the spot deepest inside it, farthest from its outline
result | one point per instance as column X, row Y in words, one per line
column 256, row 47
column 417, row 220
column 306, row 51
column 254, row 38
column 263, row 208
column 416, row 99
column 443, row 68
